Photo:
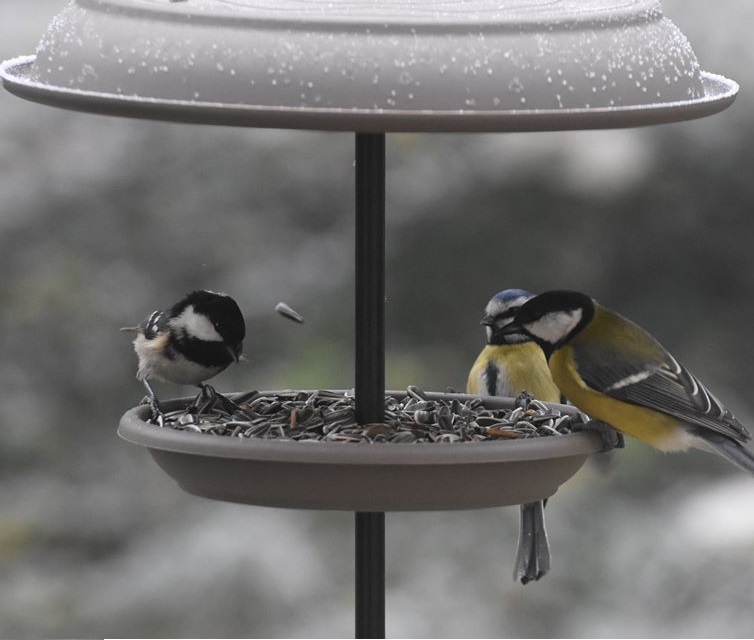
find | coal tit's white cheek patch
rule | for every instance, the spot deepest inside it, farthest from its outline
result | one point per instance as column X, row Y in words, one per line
column 195, row 325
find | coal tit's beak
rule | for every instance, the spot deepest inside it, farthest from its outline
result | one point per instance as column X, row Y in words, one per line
column 236, row 352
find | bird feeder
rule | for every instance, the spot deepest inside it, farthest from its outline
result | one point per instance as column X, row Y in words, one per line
column 370, row 67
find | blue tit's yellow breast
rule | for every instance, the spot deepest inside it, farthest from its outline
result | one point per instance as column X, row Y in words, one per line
column 510, row 369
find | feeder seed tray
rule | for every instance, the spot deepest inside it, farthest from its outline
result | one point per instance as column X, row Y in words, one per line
column 366, row 476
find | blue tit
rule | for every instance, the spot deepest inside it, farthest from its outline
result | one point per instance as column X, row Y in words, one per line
column 507, row 366
column 510, row 364
column 615, row 372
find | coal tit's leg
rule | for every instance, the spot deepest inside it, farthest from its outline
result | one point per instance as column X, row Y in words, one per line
column 209, row 398
column 533, row 554
column 204, row 400
column 154, row 404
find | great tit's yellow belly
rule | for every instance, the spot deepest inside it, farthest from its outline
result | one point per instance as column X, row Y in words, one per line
column 662, row 431
column 507, row 370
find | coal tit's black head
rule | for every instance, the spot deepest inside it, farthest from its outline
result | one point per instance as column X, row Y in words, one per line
column 208, row 316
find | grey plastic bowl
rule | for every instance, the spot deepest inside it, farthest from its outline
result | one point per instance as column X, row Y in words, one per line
column 424, row 65
column 363, row 477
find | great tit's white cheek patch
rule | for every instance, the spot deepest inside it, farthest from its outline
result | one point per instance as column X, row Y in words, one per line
column 556, row 325
column 195, row 325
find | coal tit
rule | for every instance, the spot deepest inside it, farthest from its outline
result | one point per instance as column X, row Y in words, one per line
column 192, row 341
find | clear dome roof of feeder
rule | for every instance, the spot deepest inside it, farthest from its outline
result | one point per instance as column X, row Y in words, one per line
column 409, row 65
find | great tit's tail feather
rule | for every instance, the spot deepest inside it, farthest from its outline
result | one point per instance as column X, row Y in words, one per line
column 731, row 450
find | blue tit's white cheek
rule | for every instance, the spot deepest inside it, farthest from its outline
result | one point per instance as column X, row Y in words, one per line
column 488, row 331
column 556, row 325
column 195, row 325
column 496, row 306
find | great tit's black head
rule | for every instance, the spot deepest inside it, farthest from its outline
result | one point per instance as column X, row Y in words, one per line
column 499, row 313
column 552, row 318
column 210, row 317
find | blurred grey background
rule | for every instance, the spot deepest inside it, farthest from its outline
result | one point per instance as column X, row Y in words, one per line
column 104, row 219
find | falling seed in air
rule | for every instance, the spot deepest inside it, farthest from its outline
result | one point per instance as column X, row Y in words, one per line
column 285, row 311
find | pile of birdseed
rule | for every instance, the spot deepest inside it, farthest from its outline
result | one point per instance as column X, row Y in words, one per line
column 329, row 416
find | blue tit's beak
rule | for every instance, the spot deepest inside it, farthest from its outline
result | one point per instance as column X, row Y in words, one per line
column 511, row 329
column 488, row 322
column 510, row 333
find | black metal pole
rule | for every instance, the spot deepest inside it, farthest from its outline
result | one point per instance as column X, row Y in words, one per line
column 370, row 367
column 370, row 277
column 370, row 575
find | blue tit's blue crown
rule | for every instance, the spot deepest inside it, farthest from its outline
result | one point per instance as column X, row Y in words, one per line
column 506, row 295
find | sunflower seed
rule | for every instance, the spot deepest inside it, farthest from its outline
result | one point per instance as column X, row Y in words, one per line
column 287, row 312
column 310, row 416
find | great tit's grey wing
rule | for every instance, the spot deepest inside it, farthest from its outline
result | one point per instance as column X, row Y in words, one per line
column 675, row 390
column 642, row 372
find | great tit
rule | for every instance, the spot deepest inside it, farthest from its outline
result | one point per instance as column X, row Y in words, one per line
column 507, row 366
column 190, row 342
column 615, row 372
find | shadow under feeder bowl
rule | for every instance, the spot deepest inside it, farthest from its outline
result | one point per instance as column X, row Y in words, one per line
column 365, row 477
